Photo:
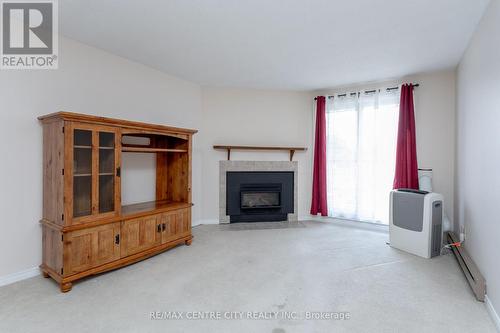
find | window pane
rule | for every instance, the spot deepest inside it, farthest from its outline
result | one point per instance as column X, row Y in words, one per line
column 361, row 150
column 342, row 128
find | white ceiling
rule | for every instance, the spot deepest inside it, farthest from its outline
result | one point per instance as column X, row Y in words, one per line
column 278, row 44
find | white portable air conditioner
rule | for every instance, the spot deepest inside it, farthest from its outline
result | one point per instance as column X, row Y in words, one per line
column 415, row 222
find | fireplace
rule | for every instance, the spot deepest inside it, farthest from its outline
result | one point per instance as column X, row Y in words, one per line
column 259, row 196
column 258, row 191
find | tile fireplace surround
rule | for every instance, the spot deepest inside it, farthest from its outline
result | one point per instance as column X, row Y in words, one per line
column 255, row 166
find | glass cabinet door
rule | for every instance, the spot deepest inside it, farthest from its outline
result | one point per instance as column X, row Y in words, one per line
column 106, row 172
column 95, row 170
column 82, row 173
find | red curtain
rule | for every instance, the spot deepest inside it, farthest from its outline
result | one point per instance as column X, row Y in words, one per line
column 318, row 204
column 406, row 154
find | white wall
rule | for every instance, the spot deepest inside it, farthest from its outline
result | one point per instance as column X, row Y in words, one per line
column 254, row 117
column 435, row 126
column 478, row 148
column 88, row 81
column 434, row 122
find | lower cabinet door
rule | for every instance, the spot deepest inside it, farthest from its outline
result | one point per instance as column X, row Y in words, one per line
column 168, row 227
column 183, row 221
column 92, row 247
column 176, row 224
column 140, row 234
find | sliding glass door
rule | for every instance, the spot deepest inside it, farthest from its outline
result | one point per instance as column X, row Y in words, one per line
column 361, row 151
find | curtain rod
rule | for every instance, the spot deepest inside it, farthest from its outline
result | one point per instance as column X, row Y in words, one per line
column 369, row 91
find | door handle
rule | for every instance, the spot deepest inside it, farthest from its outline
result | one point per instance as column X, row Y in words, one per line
column 117, row 239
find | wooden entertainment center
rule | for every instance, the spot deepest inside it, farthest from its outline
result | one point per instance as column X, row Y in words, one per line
column 86, row 230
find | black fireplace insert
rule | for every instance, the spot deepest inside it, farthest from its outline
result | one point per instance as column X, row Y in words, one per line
column 259, row 196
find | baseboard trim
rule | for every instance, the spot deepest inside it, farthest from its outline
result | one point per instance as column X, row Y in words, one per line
column 19, row 276
column 205, row 221
column 492, row 312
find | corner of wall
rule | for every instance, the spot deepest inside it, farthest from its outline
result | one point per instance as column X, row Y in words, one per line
column 492, row 312
column 19, row 276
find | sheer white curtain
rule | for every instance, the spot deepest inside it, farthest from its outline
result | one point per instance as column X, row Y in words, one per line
column 361, row 152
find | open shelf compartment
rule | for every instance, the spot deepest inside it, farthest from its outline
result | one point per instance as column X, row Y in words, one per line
column 153, row 143
column 172, row 171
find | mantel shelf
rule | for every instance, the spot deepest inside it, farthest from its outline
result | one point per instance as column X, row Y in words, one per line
column 292, row 150
column 152, row 150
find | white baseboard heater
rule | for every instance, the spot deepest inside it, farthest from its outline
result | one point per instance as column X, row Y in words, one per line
column 475, row 278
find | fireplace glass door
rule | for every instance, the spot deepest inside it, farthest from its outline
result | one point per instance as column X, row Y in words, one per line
column 260, row 199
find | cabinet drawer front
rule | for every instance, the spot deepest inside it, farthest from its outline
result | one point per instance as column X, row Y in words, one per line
column 88, row 248
column 140, row 234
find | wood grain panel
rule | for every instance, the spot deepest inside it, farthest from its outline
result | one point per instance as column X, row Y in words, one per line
column 178, row 177
column 88, row 248
column 183, row 221
column 52, row 244
column 53, row 165
column 120, row 262
column 169, row 227
column 140, row 234
column 176, row 224
column 141, row 127
column 161, row 171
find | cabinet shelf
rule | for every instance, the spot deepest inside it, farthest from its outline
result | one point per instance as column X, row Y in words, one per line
column 82, row 175
column 153, row 150
column 152, row 207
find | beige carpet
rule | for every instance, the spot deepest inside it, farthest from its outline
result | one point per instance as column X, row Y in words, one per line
column 261, row 269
